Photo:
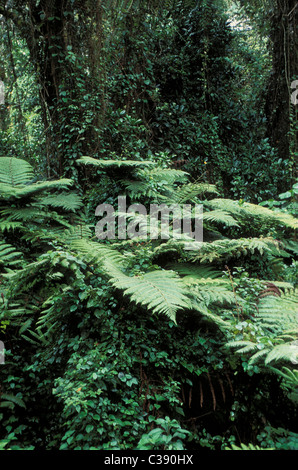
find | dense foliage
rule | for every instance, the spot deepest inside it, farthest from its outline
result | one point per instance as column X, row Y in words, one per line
column 146, row 343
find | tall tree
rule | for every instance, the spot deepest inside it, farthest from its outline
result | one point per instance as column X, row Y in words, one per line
column 280, row 18
column 284, row 43
column 55, row 31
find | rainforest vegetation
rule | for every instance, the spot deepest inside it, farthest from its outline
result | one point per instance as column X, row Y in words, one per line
column 148, row 343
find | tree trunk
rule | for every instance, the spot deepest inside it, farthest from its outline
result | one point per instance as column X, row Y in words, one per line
column 278, row 106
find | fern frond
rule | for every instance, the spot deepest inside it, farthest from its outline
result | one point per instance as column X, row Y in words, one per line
column 283, row 352
column 139, row 189
column 245, row 346
column 76, row 232
column 247, row 447
column 24, row 214
column 279, row 313
column 277, row 318
column 9, row 256
column 36, row 337
column 17, row 192
column 258, row 355
column 276, row 216
column 163, row 175
column 207, row 314
column 9, row 225
column 189, row 192
column 68, row 201
column 234, row 248
column 12, row 399
column 160, row 291
column 21, row 279
column 33, row 214
column 15, row 171
column 195, row 271
column 110, row 164
column 100, row 253
column 221, row 217
column 291, row 245
column 248, row 211
column 211, row 291
column 290, row 376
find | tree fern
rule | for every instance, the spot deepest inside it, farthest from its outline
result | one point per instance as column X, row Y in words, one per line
column 220, row 217
column 279, row 313
column 163, row 175
column 68, row 201
column 33, row 209
column 190, row 191
column 12, row 192
column 225, row 249
column 289, row 380
column 33, row 214
column 111, row 164
column 9, row 256
column 211, row 291
column 15, row 172
column 99, row 253
column 276, row 321
column 195, row 271
column 139, row 189
column 9, row 401
column 283, row 352
column 160, row 291
column 247, row 212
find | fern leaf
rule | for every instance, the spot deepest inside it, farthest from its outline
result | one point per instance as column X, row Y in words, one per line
column 290, row 376
column 245, row 346
column 138, row 189
column 220, row 216
column 110, row 164
column 12, row 398
column 160, row 291
column 9, row 256
column 283, row 352
column 226, row 248
column 98, row 252
column 68, row 201
column 279, row 313
column 189, row 192
column 211, row 291
column 260, row 354
column 195, row 271
column 9, row 225
column 77, row 232
column 163, row 175
column 33, row 214
column 42, row 186
column 207, row 314
column 247, row 447
column 15, row 171
column 251, row 211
